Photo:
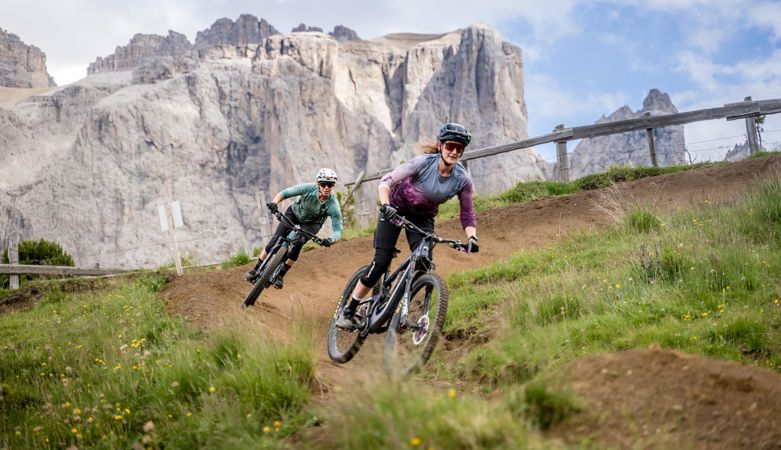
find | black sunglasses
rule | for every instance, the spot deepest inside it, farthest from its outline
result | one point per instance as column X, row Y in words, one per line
column 326, row 184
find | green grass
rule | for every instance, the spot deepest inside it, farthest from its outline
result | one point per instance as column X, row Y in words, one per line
column 239, row 259
column 412, row 416
column 112, row 369
column 702, row 281
column 765, row 153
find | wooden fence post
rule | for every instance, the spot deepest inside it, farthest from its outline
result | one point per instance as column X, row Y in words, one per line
column 265, row 217
column 649, row 132
column 651, row 146
column 354, row 187
column 172, row 237
column 561, row 156
column 751, row 132
column 13, row 258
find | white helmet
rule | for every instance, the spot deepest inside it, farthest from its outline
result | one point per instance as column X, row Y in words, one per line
column 326, row 174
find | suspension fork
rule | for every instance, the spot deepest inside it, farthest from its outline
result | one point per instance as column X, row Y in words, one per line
column 408, row 276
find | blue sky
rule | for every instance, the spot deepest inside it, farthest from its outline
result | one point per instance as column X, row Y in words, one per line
column 583, row 59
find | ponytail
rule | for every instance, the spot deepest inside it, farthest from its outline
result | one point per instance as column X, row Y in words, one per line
column 427, row 147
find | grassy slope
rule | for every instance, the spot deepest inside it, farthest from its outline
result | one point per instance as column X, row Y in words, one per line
column 703, row 281
column 112, row 369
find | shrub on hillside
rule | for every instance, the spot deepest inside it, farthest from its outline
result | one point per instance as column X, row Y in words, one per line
column 38, row 253
column 41, row 253
column 531, row 190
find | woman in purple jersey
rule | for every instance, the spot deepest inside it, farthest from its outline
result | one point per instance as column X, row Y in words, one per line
column 415, row 190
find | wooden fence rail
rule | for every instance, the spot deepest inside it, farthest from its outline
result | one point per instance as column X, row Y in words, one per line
column 732, row 111
column 25, row 269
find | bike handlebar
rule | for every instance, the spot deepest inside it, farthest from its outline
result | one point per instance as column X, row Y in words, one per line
column 281, row 217
column 452, row 243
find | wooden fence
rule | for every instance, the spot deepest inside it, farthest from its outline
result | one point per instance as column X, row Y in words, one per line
column 25, row 269
column 746, row 109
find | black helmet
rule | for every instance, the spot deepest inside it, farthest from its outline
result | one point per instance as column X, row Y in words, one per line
column 454, row 132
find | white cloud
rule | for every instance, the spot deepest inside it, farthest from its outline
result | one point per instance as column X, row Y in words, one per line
column 708, row 39
column 549, row 104
column 717, row 85
column 767, row 15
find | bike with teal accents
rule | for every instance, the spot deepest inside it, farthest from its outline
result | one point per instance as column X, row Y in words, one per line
column 268, row 270
column 410, row 304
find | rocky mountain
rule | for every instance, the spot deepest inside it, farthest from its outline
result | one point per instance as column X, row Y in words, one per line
column 247, row 30
column 90, row 163
column 342, row 34
column 596, row 154
column 738, row 152
column 22, row 65
column 302, row 27
column 142, row 48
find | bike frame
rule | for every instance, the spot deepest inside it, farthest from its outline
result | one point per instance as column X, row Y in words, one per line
column 286, row 241
column 403, row 276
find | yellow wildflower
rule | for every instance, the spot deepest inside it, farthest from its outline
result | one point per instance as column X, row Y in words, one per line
column 212, row 389
column 414, row 441
column 451, row 393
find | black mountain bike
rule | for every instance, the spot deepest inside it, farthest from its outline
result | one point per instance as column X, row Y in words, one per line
column 268, row 270
column 410, row 304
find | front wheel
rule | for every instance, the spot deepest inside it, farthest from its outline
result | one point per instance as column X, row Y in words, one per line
column 343, row 344
column 264, row 280
column 411, row 340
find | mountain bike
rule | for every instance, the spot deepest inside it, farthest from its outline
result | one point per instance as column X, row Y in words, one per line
column 267, row 272
column 410, row 304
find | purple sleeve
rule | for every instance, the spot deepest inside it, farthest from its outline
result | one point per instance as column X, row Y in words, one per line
column 468, row 215
column 401, row 172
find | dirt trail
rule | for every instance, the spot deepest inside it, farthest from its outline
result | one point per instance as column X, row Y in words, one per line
column 313, row 286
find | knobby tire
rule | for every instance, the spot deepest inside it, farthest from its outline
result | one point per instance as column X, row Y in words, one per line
column 403, row 356
column 265, row 276
column 342, row 344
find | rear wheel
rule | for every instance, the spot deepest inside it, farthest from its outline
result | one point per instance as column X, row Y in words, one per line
column 264, row 280
column 410, row 342
column 343, row 344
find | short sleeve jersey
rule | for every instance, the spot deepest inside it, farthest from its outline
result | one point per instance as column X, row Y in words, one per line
column 416, row 187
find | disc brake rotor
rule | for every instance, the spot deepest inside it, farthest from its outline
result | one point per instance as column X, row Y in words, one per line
column 421, row 329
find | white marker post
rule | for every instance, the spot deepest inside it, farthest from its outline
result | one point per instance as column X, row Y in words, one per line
column 170, row 218
column 13, row 258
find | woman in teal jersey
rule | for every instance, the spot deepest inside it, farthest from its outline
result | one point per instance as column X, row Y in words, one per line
column 315, row 204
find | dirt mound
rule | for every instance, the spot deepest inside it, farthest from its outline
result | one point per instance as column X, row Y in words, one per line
column 653, row 398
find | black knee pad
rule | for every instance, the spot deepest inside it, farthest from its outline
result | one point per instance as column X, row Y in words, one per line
column 380, row 263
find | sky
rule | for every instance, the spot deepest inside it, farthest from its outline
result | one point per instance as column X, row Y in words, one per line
column 582, row 59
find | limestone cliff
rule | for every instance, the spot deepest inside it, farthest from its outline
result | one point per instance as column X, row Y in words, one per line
column 142, row 48
column 247, row 30
column 22, row 65
column 211, row 129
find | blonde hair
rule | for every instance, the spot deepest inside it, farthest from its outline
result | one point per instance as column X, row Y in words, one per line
column 427, row 147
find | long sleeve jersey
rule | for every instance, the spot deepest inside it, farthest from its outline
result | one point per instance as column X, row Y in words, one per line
column 416, row 187
column 309, row 209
